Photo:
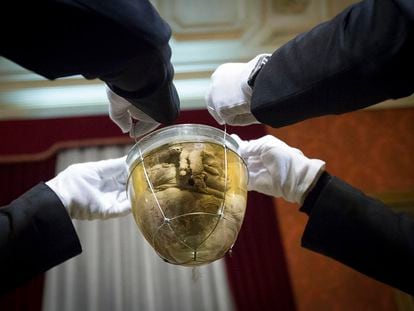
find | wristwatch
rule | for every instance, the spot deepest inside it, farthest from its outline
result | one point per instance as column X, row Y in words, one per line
column 259, row 65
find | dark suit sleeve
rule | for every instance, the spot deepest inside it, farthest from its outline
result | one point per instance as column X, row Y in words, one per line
column 93, row 38
column 125, row 43
column 361, row 232
column 36, row 234
column 361, row 57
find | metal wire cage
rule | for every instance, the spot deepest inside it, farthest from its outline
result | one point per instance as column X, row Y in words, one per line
column 188, row 190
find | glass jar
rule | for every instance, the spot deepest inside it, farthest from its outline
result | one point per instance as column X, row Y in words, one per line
column 188, row 190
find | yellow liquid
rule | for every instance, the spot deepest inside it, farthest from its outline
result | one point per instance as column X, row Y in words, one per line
column 192, row 209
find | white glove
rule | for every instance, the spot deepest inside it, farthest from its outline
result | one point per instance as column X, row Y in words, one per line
column 277, row 169
column 128, row 117
column 228, row 96
column 93, row 190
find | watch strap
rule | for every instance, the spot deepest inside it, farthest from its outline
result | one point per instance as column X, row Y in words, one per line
column 259, row 65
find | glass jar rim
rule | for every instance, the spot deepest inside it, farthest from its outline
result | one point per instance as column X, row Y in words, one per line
column 180, row 133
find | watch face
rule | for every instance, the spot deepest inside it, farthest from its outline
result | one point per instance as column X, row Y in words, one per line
column 259, row 65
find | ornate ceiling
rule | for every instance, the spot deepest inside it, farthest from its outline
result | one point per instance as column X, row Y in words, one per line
column 205, row 35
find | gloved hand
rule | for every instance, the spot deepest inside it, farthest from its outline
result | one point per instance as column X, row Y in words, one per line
column 93, row 190
column 228, row 96
column 277, row 169
column 128, row 117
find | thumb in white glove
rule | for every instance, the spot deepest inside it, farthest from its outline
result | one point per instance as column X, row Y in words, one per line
column 277, row 169
column 228, row 96
column 128, row 117
column 93, row 190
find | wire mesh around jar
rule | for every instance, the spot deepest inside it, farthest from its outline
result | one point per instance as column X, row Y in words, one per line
column 183, row 208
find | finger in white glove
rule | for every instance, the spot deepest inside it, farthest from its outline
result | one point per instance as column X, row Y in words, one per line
column 93, row 190
column 228, row 96
column 278, row 170
column 128, row 117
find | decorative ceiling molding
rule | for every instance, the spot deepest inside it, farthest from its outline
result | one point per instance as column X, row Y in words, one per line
column 192, row 18
column 65, row 99
column 289, row 6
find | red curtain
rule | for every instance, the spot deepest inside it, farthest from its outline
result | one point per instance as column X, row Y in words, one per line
column 257, row 269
